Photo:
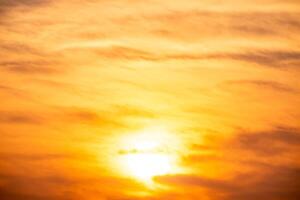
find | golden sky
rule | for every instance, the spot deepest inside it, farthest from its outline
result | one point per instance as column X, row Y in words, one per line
column 149, row 100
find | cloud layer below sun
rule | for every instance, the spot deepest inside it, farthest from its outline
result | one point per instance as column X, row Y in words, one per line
column 79, row 79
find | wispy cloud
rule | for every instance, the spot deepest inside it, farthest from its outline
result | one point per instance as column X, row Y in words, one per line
column 268, row 58
column 28, row 67
column 19, row 118
column 6, row 6
column 262, row 84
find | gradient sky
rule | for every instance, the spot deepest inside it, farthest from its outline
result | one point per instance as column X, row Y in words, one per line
column 215, row 83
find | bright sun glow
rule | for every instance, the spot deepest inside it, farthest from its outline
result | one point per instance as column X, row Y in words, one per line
column 146, row 154
column 146, row 165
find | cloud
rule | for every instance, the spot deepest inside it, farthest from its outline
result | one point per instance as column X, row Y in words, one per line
column 116, row 52
column 22, row 58
column 37, row 157
column 6, row 6
column 18, row 187
column 60, row 187
column 18, row 48
column 274, row 183
column 13, row 3
column 26, row 58
column 273, row 142
column 86, row 116
column 11, row 195
column 192, row 180
column 268, row 58
column 133, row 111
column 29, row 67
column 83, row 115
column 12, row 91
column 277, row 183
column 19, row 118
column 198, row 25
column 251, row 149
column 114, row 116
column 122, row 52
column 261, row 84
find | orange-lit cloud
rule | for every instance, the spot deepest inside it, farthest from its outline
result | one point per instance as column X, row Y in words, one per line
column 82, row 81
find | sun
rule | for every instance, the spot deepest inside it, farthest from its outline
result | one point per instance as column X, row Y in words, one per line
column 144, row 166
column 147, row 154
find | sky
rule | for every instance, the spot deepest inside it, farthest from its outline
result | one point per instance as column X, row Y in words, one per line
column 149, row 100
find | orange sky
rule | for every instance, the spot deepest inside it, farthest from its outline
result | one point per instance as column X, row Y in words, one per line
column 149, row 99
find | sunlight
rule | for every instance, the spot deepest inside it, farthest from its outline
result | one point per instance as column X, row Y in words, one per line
column 146, row 165
column 147, row 154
